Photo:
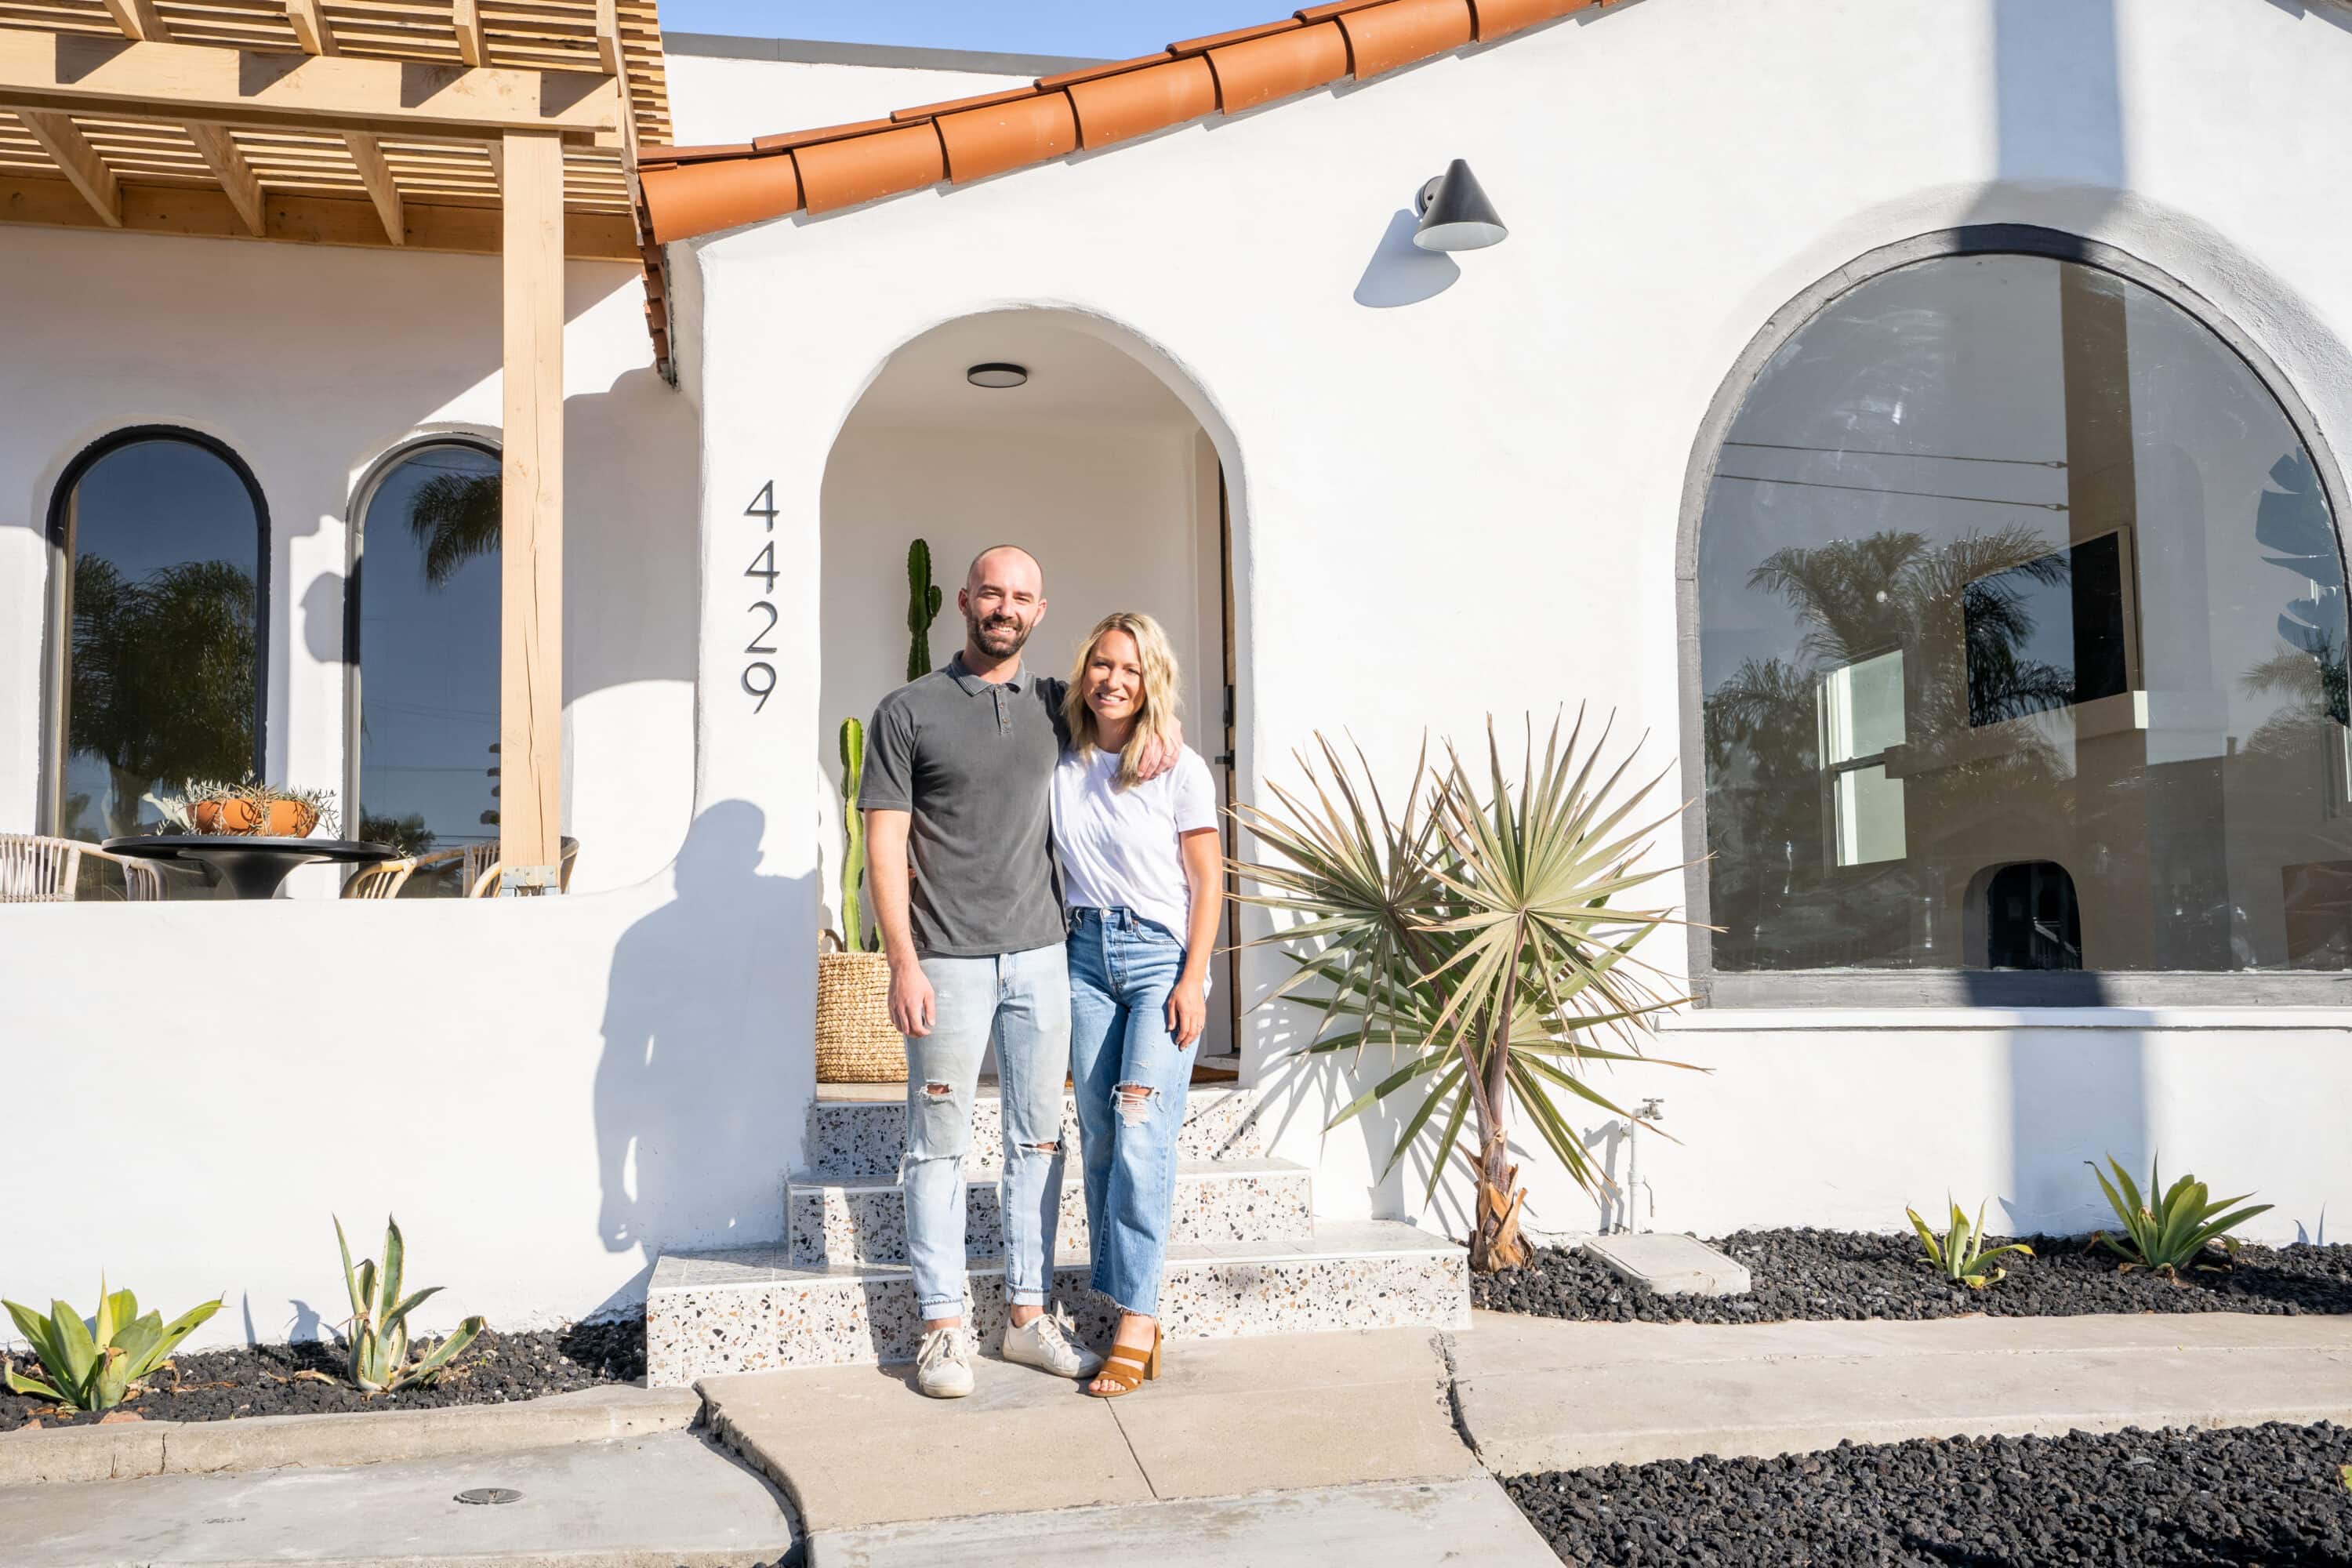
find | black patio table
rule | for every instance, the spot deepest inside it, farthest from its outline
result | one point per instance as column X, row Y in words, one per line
column 252, row 866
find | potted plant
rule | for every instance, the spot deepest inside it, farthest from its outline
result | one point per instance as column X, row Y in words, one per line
column 855, row 1041
column 248, row 809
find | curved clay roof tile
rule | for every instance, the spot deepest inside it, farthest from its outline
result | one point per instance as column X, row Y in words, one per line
column 1030, row 129
column 1386, row 36
column 860, row 168
column 1138, row 102
column 1260, row 71
column 700, row 198
column 1496, row 18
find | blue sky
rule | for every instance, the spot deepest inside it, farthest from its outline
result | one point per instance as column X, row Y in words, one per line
column 1106, row 28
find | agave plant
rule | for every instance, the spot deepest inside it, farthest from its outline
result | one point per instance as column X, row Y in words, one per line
column 1960, row 1254
column 1475, row 931
column 2171, row 1233
column 98, row 1364
column 379, row 1327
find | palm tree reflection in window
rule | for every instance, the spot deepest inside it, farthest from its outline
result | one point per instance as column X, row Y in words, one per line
column 455, row 519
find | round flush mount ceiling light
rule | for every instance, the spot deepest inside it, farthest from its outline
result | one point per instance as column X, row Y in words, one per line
column 996, row 373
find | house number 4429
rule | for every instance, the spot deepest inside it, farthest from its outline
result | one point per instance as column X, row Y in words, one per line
column 759, row 675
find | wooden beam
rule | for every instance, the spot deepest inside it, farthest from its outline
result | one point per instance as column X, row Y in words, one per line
column 139, row 19
column 497, row 151
column 311, row 28
column 62, row 139
column 303, row 92
column 205, row 212
column 530, row 542
column 608, row 36
column 382, row 189
column 234, row 174
column 472, row 46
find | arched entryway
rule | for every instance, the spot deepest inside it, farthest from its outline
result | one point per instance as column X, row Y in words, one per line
column 1090, row 460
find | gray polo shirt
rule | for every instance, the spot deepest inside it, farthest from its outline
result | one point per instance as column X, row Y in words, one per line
column 973, row 763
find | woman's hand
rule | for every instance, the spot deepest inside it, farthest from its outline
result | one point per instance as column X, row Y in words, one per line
column 1188, row 1008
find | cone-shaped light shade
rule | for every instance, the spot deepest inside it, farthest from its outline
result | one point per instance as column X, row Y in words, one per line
column 1456, row 213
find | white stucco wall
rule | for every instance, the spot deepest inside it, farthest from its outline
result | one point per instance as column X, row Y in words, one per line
column 714, row 100
column 1458, row 481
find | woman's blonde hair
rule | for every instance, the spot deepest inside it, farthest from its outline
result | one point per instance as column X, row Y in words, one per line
column 1159, row 702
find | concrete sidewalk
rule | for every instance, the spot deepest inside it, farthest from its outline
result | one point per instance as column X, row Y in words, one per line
column 1537, row 1394
column 1410, row 1525
column 856, row 1447
column 670, row 1501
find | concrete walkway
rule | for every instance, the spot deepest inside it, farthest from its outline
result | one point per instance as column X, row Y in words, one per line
column 1413, row 1524
column 670, row 1501
column 1540, row 1395
column 856, row 1447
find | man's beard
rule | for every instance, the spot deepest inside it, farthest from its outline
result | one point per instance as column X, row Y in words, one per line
column 1000, row 637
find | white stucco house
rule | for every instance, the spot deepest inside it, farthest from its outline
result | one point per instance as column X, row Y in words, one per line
column 1920, row 419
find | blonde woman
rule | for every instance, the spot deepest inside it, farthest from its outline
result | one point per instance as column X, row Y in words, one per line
column 1141, row 868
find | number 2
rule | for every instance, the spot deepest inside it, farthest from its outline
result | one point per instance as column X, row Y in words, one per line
column 755, row 644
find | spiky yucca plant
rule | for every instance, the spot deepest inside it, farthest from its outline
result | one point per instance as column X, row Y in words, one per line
column 1475, row 931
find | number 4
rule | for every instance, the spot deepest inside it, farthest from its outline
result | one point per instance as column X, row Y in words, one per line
column 768, row 555
column 763, row 505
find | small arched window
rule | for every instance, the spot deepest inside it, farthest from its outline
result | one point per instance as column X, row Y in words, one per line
column 425, row 600
column 2007, row 560
column 164, row 539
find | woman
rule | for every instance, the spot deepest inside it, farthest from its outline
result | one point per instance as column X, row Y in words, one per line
column 1141, row 880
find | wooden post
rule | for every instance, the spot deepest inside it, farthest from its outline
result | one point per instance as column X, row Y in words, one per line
column 530, row 641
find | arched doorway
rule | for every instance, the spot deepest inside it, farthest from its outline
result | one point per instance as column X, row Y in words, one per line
column 1089, row 461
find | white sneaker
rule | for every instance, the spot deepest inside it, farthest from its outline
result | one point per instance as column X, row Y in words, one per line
column 943, row 1366
column 1050, row 1342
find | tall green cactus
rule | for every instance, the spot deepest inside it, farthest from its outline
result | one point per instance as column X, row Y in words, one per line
column 923, row 601
column 852, row 827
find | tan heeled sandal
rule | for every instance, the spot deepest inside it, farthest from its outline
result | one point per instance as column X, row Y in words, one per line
column 1127, row 1366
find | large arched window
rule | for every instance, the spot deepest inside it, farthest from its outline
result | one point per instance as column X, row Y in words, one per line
column 2022, row 641
column 165, row 544
column 425, row 612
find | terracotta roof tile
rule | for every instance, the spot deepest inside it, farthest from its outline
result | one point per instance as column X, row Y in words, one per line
column 854, row 169
column 1499, row 17
column 1091, row 73
column 989, row 141
column 1138, row 102
column 791, row 139
column 1259, row 70
column 1385, row 37
column 982, row 100
column 700, row 198
column 688, row 190
column 1238, row 35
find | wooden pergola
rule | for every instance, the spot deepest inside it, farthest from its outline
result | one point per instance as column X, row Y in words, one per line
column 505, row 127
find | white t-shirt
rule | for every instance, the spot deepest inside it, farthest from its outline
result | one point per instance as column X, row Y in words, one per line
column 1118, row 847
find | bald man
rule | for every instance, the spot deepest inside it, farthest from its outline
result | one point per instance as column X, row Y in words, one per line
column 958, row 768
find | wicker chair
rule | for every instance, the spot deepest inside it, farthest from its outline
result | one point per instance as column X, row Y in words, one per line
column 39, row 870
column 389, row 879
column 485, row 881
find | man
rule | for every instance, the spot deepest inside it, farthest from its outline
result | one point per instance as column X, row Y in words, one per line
column 958, row 770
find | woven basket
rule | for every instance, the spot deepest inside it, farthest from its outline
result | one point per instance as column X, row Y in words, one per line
column 855, row 1041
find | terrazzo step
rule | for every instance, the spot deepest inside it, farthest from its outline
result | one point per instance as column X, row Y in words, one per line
column 752, row 1310
column 863, row 1219
column 850, row 1138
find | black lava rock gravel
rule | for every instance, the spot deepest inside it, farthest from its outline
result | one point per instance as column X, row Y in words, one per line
column 1850, row 1274
column 221, row 1385
column 2271, row 1496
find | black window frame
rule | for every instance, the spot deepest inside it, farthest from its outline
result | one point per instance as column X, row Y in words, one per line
column 363, row 496
column 1898, row 988
column 57, row 634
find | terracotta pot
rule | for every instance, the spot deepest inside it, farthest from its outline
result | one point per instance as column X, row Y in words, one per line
column 278, row 819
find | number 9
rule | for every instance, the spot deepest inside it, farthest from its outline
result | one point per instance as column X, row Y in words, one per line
column 762, row 691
